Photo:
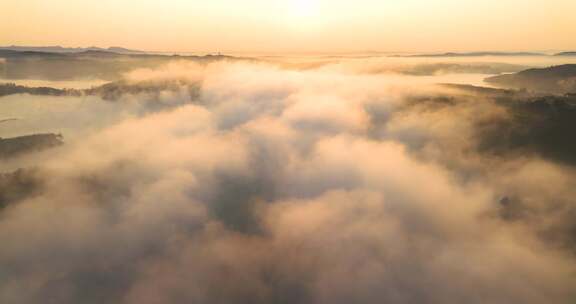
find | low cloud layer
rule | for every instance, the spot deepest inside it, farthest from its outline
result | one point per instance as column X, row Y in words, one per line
column 277, row 185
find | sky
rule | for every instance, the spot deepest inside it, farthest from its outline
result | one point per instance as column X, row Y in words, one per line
column 293, row 25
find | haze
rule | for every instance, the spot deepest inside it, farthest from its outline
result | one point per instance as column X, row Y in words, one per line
column 293, row 25
column 287, row 152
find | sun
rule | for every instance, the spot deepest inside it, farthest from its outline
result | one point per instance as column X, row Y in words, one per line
column 304, row 9
column 303, row 14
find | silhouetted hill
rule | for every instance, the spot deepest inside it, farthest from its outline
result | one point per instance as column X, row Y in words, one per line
column 477, row 54
column 118, row 49
column 18, row 185
column 533, row 125
column 59, row 49
column 87, row 64
column 544, row 125
column 11, row 88
column 484, row 91
column 566, row 54
column 555, row 80
column 111, row 91
column 112, row 52
column 28, row 54
column 11, row 147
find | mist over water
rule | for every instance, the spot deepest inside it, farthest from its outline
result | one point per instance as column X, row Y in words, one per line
column 287, row 181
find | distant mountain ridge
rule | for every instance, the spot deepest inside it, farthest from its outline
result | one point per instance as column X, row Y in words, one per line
column 477, row 54
column 87, row 64
column 60, row 49
column 566, row 54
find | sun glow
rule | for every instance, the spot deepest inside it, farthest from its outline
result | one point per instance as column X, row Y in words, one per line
column 287, row 25
column 304, row 8
column 303, row 14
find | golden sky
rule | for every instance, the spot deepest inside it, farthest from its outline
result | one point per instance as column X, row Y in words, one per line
column 293, row 25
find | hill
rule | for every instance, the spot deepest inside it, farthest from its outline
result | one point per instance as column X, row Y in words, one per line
column 554, row 80
column 566, row 54
column 15, row 146
column 478, row 54
column 59, row 49
column 87, row 64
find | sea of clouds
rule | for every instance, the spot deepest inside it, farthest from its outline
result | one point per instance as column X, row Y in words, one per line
column 281, row 185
